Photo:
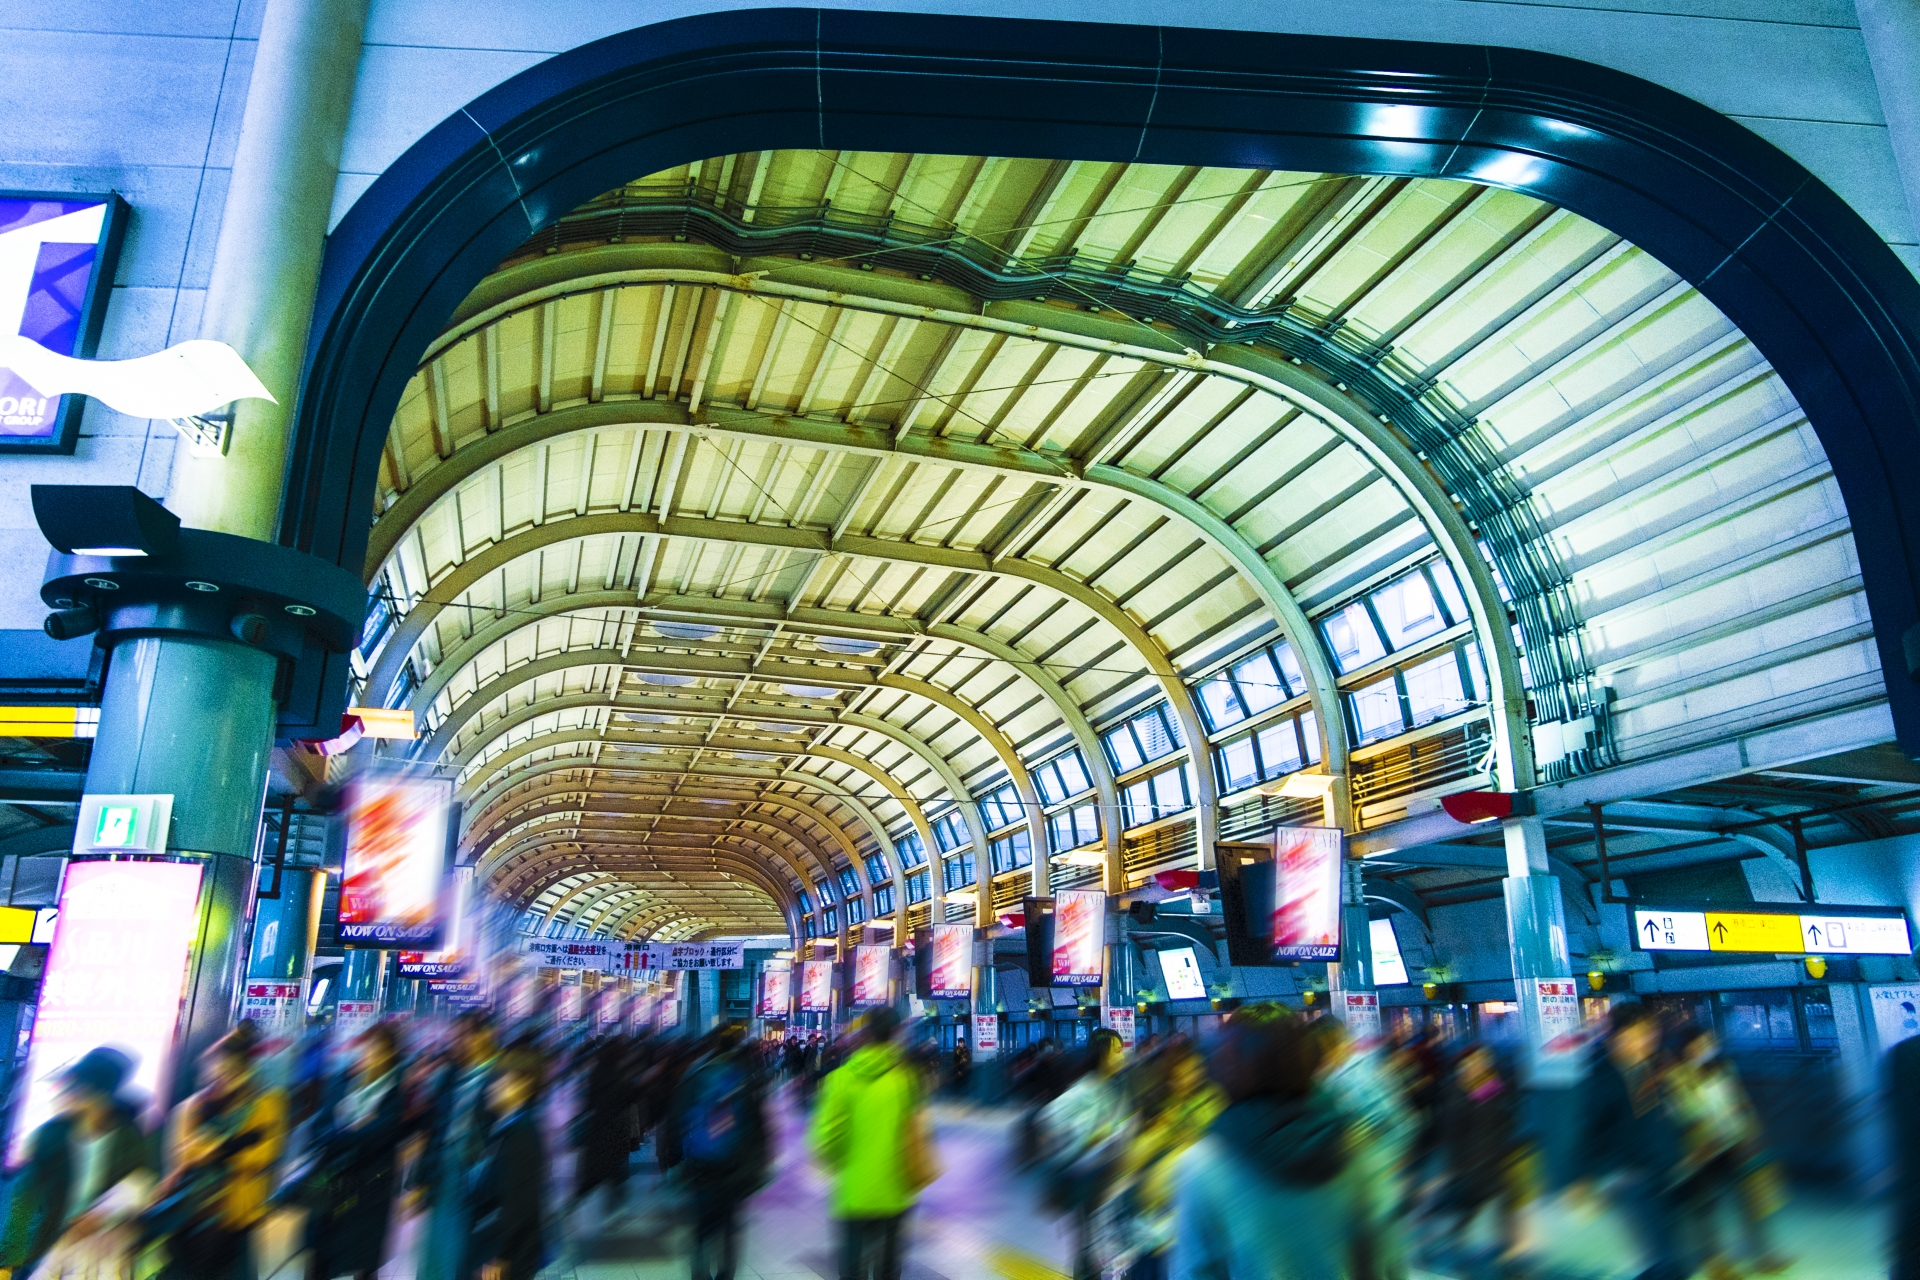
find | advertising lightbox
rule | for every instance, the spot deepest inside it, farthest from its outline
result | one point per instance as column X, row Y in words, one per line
column 1181, row 968
column 56, row 270
column 115, row 976
column 1389, row 968
column 949, row 962
column 1079, row 937
column 776, row 993
column 394, row 879
column 816, row 986
column 872, row 975
column 1306, row 893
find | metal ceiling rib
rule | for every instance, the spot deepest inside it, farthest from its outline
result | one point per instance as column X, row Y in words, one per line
column 867, row 482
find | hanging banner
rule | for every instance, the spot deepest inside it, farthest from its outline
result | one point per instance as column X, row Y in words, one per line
column 678, row 955
column 872, row 976
column 1306, row 893
column 1079, row 937
column 1896, row 1012
column 576, row 954
column 986, row 1035
column 1120, row 1022
column 950, row 962
column 776, row 993
column 816, row 986
column 393, row 883
column 1360, row 1010
column 114, row 976
column 450, row 962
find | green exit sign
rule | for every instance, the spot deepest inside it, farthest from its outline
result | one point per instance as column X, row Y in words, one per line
column 117, row 826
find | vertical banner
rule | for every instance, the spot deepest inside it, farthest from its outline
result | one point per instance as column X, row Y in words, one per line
column 393, row 881
column 1079, row 937
column 986, row 1035
column 816, row 986
column 949, row 962
column 1120, row 1020
column 115, row 976
column 872, row 976
column 1360, row 1010
column 1306, row 893
column 1563, row 1030
column 776, row 993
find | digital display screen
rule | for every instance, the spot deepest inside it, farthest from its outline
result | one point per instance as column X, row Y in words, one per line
column 1181, row 969
column 51, row 253
column 1306, row 893
column 950, row 962
column 1389, row 970
column 776, row 993
column 394, row 879
column 449, row 963
column 115, row 976
column 816, row 986
column 872, row 975
column 1079, row 937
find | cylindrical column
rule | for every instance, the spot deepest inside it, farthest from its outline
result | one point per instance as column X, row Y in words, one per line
column 280, row 958
column 266, row 262
column 362, row 986
column 193, row 718
column 1537, row 939
column 1350, row 982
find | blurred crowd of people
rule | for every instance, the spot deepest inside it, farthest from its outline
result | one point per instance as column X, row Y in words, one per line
column 1279, row 1148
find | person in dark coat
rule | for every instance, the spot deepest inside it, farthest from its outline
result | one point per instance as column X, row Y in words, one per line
column 506, row 1188
column 357, row 1157
column 715, row 1140
column 605, row 1124
column 92, row 1126
column 1903, row 1100
column 1478, row 1133
column 1631, row 1138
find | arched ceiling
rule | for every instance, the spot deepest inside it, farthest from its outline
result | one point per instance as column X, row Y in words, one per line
column 765, row 510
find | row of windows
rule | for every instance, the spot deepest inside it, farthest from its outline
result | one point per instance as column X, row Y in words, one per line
column 1419, row 603
column 1269, row 752
column 1002, row 808
column 912, row 851
column 1062, row 778
column 1150, row 799
column 1255, row 683
column 1419, row 693
column 1147, row 737
column 1011, row 852
column 849, row 883
column 1074, row 827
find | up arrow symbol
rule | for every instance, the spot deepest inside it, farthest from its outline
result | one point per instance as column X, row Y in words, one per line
column 1813, row 934
column 1720, row 930
column 1652, row 931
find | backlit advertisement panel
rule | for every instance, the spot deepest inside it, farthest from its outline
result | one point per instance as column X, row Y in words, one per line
column 1306, row 893
column 394, row 885
column 56, row 270
column 1181, row 968
column 872, row 975
column 776, row 993
column 115, row 975
column 950, row 962
column 816, row 986
column 1079, row 937
column 449, row 963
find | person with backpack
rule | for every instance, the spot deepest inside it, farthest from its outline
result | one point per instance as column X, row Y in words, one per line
column 869, row 1134
column 715, row 1141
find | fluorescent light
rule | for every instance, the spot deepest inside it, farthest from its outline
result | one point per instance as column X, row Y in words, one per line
column 1301, row 786
column 108, row 551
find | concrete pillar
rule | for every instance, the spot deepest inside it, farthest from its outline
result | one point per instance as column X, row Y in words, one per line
column 266, row 262
column 157, row 737
column 1536, row 922
column 1891, row 29
column 1353, row 974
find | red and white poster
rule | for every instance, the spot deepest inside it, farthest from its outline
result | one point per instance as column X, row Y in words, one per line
column 352, row 1017
column 872, row 975
column 277, row 1008
column 1079, row 937
column 1360, row 1010
column 1120, row 1020
column 1306, row 893
column 393, row 885
column 114, row 976
column 816, row 986
column 986, row 1035
column 1563, row 1029
column 950, row 962
column 776, row 993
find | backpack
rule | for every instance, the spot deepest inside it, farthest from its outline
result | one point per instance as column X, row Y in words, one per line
column 716, row 1126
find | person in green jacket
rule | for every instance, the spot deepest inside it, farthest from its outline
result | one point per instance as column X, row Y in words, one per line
column 869, row 1134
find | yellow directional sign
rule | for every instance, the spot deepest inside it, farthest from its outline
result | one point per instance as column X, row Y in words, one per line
column 1748, row 931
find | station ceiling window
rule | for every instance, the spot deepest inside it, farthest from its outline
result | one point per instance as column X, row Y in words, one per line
column 849, row 883
column 883, row 901
column 1001, row 807
column 1417, row 604
column 1011, row 852
column 1073, row 828
column 1062, row 778
column 1405, row 698
column 1145, row 738
column 919, row 887
column 949, row 831
column 878, row 872
column 856, row 910
column 1270, row 752
column 1160, row 795
column 913, row 852
column 1258, row 682
column 806, row 902
column 957, row 871
column 830, row 919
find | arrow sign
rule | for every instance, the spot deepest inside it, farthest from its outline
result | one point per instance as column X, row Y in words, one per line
column 1720, row 931
column 1813, row 934
column 1652, row 931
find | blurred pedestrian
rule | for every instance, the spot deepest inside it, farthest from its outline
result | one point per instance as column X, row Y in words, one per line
column 1361, row 1085
column 962, row 1067
column 1632, row 1142
column 506, row 1187
column 355, row 1154
column 603, row 1127
column 869, row 1134
column 1084, row 1135
column 1723, row 1161
column 1479, row 1125
column 89, row 1171
column 1268, row 1192
column 1903, row 1104
column 226, row 1145
column 1177, row 1105
column 715, row 1141
column 461, row 1122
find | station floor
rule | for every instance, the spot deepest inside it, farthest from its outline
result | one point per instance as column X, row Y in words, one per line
column 978, row 1223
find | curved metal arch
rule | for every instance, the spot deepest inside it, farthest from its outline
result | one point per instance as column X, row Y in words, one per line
column 564, row 811
column 523, row 851
column 519, row 886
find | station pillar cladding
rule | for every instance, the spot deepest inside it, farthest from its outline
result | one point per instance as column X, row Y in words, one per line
column 1352, row 975
column 280, row 958
column 1537, row 935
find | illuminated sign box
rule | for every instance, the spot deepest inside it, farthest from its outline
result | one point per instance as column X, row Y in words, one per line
column 1860, row 931
column 57, row 256
column 393, row 885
